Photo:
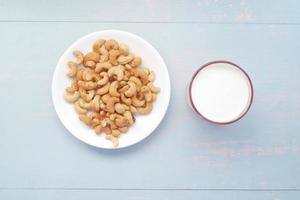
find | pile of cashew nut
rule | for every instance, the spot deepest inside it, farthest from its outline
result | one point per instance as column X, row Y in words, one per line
column 109, row 87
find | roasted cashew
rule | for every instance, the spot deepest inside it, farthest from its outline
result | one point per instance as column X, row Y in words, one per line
column 104, row 89
column 136, row 62
column 117, row 71
column 95, row 122
column 98, row 129
column 113, row 139
column 139, row 72
column 84, row 104
column 73, row 87
column 105, row 98
column 125, row 59
column 151, row 76
column 125, row 100
column 103, row 54
column 147, row 93
column 87, row 85
column 119, row 108
column 73, row 69
column 86, row 119
column 95, row 103
column 129, row 116
column 113, row 89
column 137, row 81
column 110, row 105
column 103, row 78
column 111, row 44
column 124, row 50
column 121, row 121
column 79, row 55
column 124, row 129
column 153, row 88
column 123, row 89
column 146, row 109
column 113, row 54
column 132, row 89
column 116, row 132
column 137, row 102
column 154, row 96
column 97, row 45
column 71, row 97
column 133, row 109
column 90, row 64
column 91, row 56
column 86, row 95
column 106, row 130
column 79, row 109
column 102, row 66
column 79, row 74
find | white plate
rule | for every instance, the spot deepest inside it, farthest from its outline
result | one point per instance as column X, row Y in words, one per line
column 144, row 125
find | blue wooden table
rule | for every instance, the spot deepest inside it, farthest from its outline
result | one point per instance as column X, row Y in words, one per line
column 185, row 158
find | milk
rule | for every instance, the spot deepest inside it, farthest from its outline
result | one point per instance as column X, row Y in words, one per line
column 221, row 92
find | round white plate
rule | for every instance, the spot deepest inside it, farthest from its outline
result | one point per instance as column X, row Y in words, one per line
column 144, row 125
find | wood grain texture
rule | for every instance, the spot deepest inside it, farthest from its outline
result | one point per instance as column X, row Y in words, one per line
column 192, row 11
column 255, row 158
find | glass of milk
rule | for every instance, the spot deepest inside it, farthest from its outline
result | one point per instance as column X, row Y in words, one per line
column 220, row 92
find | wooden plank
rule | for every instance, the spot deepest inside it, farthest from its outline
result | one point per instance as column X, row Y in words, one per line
column 146, row 195
column 200, row 11
column 259, row 152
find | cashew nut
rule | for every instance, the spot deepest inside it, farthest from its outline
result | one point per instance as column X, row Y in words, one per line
column 79, row 56
column 132, row 89
column 121, row 121
column 147, row 93
column 123, row 129
column 103, row 78
column 95, row 103
column 119, row 108
column 129, row 117
column 113, row 139
column 87, row 85
column 133, row 109
column 124, row 50
column 105, row 98
column 125, row 100
column 123, row 89
column 116, row 132
column 79, row 109
column 86, row 119
column 97, row 45
column 110, row 105
column 117, row 71
column 146, row 109
column 90, row 64
column 151, row 76
column 111, row 44
column 73, row 69
column 91, row 56
column 79, row 74
column 137, row 81
column 73, row 87
column 153, row 88
column 102, row 66
column 125, row 59
column 84, row 104
column 71, row 97
column 136, row 62
column 104, row 89
column 113, row 54
column 137, row 102
column 98, row 129
column 113, row 89
column 103, row 54
column 86, row 95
